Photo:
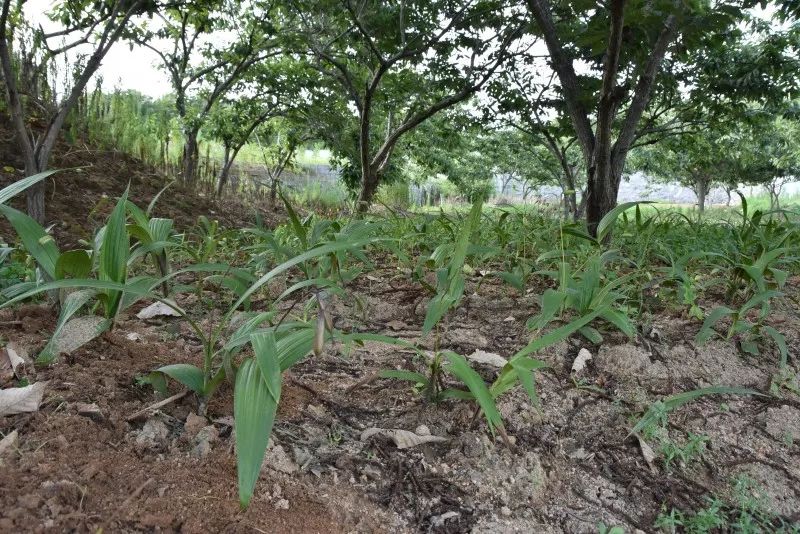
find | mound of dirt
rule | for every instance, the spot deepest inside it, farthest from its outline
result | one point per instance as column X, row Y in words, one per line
column 81, row 195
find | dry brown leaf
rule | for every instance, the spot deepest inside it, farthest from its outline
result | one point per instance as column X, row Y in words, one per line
column 157, row 309
column 21, row 400
column 403, row 439
column 648, row 453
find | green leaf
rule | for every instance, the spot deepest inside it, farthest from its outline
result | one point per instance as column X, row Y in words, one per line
column 114, row 251
column 21, row 185
column 254, row 409
column 780, row 341
column 675, row 401
column 76, row 263
column 707, row 330
column 606, row 224
column 72, row 303
column 189, row 375
column 36, row 240
column 266, row 352
column 462, row 370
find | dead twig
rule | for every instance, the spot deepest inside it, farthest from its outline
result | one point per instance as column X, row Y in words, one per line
column 156, row 406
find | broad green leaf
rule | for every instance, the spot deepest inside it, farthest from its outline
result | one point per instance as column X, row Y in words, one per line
column 72, row 303
column 254, row 409
column 76, row 263
column 114, row 252
column 21, row 185
column 606, row 224
column 189, row 375
column 266, row 352
column 707, row 330
column 36, row 240
column 780, row 341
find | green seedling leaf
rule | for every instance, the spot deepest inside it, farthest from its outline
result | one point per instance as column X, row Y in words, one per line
column 189, row 375
column 254, row 409
column 462, row 370
column 21, row 185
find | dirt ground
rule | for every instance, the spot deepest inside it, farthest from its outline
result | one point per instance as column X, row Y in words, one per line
column 572, row 466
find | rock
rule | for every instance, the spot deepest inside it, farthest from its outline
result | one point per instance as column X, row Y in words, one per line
column 194, row 423
column 282, row 504
column 783, row 424
column 158, row 309
column 92, row 411
column 505, row 511
column 277, row 459
column 153, row 434
column 204, row 440
column 580, row 361
column 469, row 337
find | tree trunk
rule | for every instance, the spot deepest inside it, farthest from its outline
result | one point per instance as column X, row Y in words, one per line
column 701, row 184
column 369, row 186
column 601, row 195
column 191, row 154
column 34, row 196
column 224, row 171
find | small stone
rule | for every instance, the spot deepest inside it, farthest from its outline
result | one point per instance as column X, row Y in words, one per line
column 282, row 504
column 92, row 411
column 204, row 440
column 30, row 501
column 153, row 434
column 194, row 423
column 505, row 511
column 277, row 459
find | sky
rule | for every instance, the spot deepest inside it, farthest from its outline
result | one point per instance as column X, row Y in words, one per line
column 122, row 67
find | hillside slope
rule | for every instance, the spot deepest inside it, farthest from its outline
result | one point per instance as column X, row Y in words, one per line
column 82, row 194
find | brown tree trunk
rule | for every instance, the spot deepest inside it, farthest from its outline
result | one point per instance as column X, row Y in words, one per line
column 191, row 155
column 224, row 171
column 34, row 196
column 701, row 184
column 369, row 186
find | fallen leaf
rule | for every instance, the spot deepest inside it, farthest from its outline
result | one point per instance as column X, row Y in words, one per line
column 509, row 319
column 648, row 453
column 158, row 309
column 21, row 400
column 580, row 362
column 10, row 362
column 488, row 358
column 78, row 332
column 403, row 439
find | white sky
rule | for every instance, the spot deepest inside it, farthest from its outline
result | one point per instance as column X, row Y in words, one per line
column 122, row 67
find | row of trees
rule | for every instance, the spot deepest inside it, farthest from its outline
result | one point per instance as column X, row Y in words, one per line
column 545, row 91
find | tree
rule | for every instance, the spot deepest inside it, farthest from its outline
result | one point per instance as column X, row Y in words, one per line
column 97, row 25
column 397, row 65
column 198, row 87
column 762, row 151
column 630, row 49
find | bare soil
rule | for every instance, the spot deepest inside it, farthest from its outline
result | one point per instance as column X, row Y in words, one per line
column 572, row 467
